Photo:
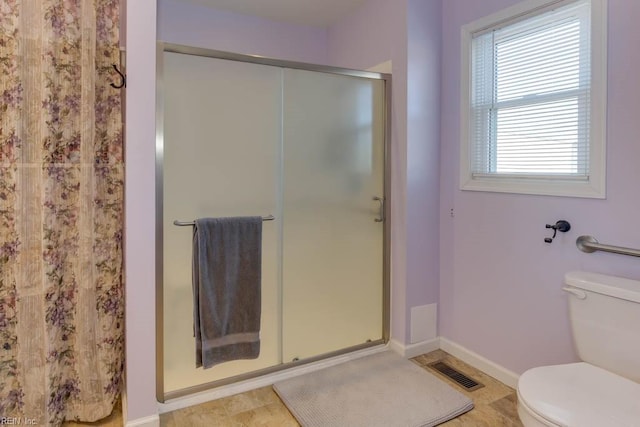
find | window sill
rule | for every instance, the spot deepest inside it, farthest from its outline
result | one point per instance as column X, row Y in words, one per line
column 536, row 186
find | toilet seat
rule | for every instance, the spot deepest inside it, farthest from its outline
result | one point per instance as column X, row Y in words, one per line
column 579, row 395
column 529, row 417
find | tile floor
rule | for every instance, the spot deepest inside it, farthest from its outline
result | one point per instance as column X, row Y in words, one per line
column 495, row 405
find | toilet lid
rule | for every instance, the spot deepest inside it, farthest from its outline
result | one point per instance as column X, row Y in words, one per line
column 581, row 395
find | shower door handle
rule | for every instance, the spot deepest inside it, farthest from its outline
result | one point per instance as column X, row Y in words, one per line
column 381, row 214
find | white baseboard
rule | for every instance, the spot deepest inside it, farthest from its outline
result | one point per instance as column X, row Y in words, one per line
column 485, row 365
column 413, row 350
column 263, row 381
column 152, row 421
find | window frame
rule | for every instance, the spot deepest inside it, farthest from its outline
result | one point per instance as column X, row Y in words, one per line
column 595, row 185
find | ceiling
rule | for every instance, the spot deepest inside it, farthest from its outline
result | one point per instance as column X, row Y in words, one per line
column 317, row 13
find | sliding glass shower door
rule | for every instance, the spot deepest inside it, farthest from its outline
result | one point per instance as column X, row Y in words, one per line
column 243, row 139
column 333, row 170
column 221, row 157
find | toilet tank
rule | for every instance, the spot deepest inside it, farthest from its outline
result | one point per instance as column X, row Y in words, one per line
column 605, row 320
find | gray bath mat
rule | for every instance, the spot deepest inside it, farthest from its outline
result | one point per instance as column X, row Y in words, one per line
column 382, row 390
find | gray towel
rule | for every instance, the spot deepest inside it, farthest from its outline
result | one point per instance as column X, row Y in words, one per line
column 227, row 261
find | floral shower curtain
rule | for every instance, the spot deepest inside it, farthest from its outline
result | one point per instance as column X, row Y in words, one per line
column 61, row 211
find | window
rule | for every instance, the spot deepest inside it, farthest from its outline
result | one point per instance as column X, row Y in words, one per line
column 533, row 100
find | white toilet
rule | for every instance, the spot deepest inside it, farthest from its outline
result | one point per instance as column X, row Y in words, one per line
column 604, row 389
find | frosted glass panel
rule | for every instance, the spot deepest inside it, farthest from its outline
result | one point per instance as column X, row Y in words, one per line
column 222, row 141
column 307, row 147
column 332, row 253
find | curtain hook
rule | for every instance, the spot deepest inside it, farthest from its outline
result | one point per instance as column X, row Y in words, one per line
column 123, row 79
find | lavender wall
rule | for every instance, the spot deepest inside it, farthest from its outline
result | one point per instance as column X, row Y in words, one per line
column 139, row 211
column 423, row 150
column 196, row 26
column 407, row 32
column 500, row 293
column 373, row 34
column 500, row 283
column 201, row 26
column 377, row 32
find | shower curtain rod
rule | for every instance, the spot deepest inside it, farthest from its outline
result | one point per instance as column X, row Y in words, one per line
column 192, row 223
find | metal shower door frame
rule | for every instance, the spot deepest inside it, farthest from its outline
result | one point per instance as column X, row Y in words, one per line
column 159, row 217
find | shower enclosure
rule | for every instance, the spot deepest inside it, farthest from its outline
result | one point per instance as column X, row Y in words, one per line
column 249, row 136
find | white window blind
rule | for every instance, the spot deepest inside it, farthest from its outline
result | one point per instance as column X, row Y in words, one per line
column 531, row 96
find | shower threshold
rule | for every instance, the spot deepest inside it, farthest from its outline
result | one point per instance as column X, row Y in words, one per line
column 195, row 395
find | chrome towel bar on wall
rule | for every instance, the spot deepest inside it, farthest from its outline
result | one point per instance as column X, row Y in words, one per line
column 192, row 223
column 590, row 244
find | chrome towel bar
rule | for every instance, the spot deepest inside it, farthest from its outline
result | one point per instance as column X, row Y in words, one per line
column 589, row 244
column 192, row 223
